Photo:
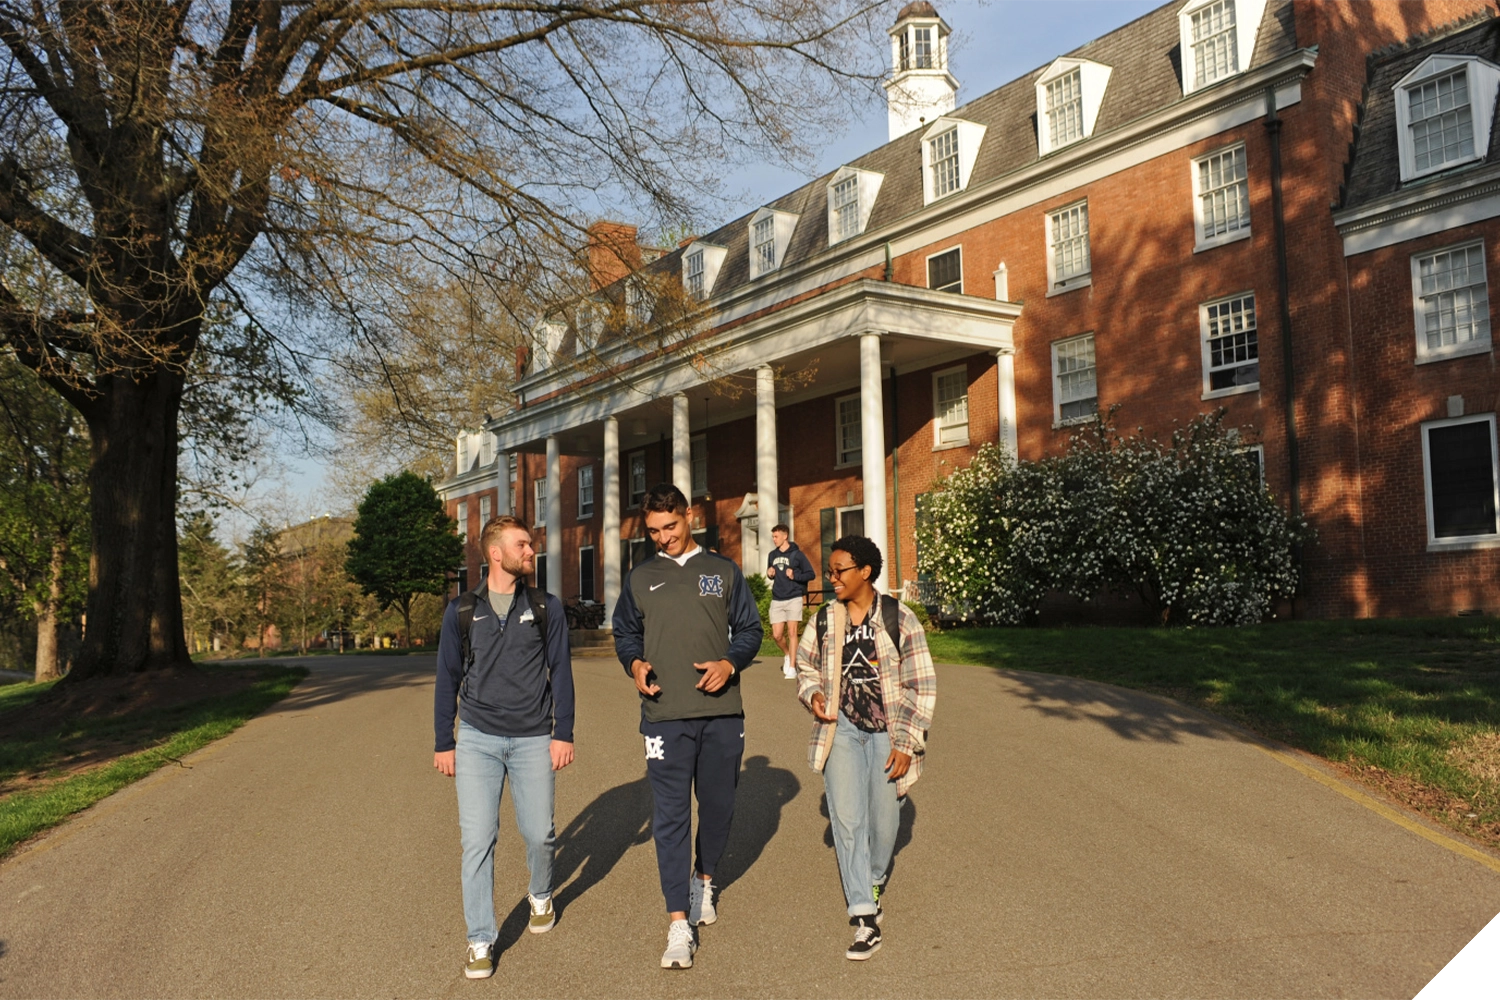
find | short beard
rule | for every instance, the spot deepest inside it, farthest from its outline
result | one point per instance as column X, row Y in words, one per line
column 517, row 568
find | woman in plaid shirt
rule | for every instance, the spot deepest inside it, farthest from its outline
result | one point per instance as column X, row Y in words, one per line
column 864, row 672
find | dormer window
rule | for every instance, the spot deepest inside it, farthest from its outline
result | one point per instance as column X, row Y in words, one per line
column 1069, row 94
column 700, row 268
column 950, row 148
column 770, row 234
column 1217, row 38
column 1444, row 109
column 851, row 199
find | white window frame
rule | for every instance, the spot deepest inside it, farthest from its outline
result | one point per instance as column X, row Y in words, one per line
column 1203, row 241
column 1425, row 354
column 967, row 136
column 838, row 519
column 867, row 189
column 841, row 459
column 927, row 265
column 1204, row 339
column 486, row 508
column 1248, row 15
column 1435, row 544
column 938, row 444
column 1259, row 451
column 1081, row 279
column 767, row 254
column 585, row 492
column 633, row 498
column 1067, row 107
column 1093, row 81
column 1482, row 79
column 942, row 163
column 692, row 274
column 700, row 268
column 461, row 515
column 539, row 497
column 638, row 305
column 512, row 462
column 695, row 442
column 1057, row 401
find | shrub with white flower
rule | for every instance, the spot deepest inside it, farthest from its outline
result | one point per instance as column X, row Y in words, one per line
column 1186, row 524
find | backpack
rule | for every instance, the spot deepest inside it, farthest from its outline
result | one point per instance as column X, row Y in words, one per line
column 469, row 598
column 890, row 610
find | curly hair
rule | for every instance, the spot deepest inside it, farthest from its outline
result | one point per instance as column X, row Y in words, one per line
column 863, row 551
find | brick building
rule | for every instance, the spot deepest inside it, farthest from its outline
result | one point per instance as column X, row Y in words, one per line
column 1172, row 218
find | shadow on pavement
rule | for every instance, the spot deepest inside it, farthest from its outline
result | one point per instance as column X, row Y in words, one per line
column 763, row 792
column 327, row 683
column 1131, row 715
column 903, row 832
column 597, row 838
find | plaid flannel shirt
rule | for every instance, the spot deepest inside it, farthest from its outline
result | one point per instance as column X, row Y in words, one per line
column 909, row 692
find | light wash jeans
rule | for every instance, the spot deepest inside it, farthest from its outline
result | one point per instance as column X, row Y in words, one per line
column 480, row 766
column 863, row 810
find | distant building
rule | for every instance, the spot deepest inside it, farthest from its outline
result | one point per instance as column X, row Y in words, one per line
column 1280, row 208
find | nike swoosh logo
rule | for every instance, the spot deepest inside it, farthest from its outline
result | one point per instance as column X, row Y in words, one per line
column 655, row 585
column 481, row 618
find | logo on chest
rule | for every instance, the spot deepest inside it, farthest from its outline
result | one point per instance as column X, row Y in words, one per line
column 710, row 586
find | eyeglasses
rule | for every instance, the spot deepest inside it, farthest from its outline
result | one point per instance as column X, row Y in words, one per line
column 834, row 572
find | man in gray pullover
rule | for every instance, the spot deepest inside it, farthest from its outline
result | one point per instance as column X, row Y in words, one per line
column 685, row 626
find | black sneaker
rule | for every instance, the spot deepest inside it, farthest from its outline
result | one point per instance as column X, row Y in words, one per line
column 866, row 939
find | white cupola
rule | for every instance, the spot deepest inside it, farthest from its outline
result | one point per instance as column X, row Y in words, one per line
column 920, row 89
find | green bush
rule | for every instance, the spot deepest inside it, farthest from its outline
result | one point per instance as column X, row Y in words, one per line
column 761, row 591
column 1186, row 524
column 920, row 610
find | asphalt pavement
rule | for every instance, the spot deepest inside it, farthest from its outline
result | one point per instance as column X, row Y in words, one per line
column 1066, row 839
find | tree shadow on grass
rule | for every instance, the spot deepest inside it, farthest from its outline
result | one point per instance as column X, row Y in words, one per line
column 1131, row 715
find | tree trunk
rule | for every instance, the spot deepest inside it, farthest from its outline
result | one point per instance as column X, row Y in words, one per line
column 135, row 604
column 46, row 616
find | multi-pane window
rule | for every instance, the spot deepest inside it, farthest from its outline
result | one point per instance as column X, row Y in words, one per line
column 1223, row 195
column 945, row 272
column 1069, row 233
column 1231, row 351
column 510, row 498
column 1441, row 121
column 850, row 442
column 764, row 240
column 905, row 44
column 637, row 478
column 1074, row 382
column 1453, row 302
column 846, row 208
column 484, row 512
column 586, row 491
column 950, row 407
column 922, row 50
column 539, row 491
column 698, row 454
column 462, row 517
column 694, row 274
column 637, row 304
column 1214, row 50
column 1459, row 455
column 1065, row 109
column 943, row 161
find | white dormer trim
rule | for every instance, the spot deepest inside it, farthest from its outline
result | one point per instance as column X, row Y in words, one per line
column 781, row 235
column 548, row 337
column 713, row 259
column 1483, row 79
column 970, row 135
column 868, row 188
column 1247, row 17
column 1093, row 79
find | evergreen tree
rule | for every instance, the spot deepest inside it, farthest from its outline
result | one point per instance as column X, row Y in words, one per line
column 404, row 544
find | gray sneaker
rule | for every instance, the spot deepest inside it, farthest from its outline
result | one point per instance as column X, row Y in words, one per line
column 701, row 909
column 681, row 943
column 542, row 917
column 480, row 963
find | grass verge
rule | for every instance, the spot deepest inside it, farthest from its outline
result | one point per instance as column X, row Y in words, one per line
column 1412, row 707
column 167, row 734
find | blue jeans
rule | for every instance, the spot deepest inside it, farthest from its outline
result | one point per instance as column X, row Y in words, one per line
column 481, row 764
column 862, row 809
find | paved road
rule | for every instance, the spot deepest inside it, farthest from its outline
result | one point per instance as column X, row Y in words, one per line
column 1067, row 839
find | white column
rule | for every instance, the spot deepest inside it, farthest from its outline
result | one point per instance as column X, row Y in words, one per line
column 554, row 517
column 610, row 537
column 872, row 441
column 765, row 455
column 682, row 448
column 502, row 483
column 1005, row 368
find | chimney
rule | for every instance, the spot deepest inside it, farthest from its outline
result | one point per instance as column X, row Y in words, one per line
column 920, row 90
column 613, row 253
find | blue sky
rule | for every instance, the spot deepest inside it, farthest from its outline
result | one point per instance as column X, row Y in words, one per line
column 994, row 42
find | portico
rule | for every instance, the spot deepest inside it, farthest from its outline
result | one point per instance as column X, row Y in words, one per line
column 847, row 340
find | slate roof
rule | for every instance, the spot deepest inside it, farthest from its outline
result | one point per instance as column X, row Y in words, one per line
column 1374, row 168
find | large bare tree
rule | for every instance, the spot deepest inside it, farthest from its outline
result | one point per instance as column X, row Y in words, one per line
column 308, row 167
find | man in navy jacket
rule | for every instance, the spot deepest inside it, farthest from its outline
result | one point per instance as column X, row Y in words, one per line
column 685, row 626
column 514, row 700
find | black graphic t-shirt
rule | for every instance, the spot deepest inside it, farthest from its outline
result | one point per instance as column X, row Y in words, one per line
column 859, row 697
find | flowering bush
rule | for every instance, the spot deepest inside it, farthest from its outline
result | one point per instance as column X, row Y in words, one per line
column 1186, row 524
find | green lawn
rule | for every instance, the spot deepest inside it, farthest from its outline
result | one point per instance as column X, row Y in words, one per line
column 1419, row 699
column 131, row 747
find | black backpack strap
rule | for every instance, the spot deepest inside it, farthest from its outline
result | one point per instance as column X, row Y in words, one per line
column 820, row 620
column 890, row 610
column 538, row 601
column 466, row 604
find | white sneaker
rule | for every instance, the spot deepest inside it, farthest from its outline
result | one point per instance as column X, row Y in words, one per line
column 787, row 670
column 681, row 943
column 701, row 909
